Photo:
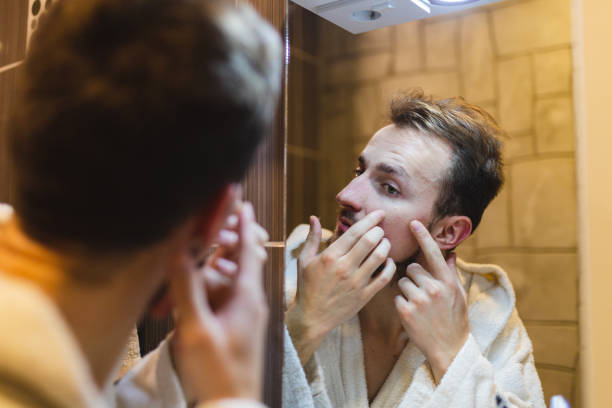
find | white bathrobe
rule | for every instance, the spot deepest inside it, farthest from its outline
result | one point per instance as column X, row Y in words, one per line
column 495, row 367
column 41, row 363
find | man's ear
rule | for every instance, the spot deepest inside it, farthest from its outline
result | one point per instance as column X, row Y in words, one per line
column 450, row 231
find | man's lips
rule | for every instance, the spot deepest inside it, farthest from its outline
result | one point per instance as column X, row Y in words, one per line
column 343, row 224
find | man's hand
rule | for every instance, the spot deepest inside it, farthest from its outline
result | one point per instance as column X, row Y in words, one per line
column 219, row 352
column 220, row 265
column 433, row 309
column 335, row 284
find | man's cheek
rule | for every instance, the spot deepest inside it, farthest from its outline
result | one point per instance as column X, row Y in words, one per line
column 402, row 246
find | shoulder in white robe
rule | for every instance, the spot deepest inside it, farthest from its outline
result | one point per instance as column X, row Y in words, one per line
column 495, row 367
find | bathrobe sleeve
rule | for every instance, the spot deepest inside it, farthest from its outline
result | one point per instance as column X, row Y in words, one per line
column 505, row 378
column 153, row 383
column 303, row 387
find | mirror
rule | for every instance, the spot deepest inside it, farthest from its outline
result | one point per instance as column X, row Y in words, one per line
column 512, row 58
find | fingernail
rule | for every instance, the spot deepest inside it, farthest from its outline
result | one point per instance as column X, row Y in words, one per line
column 226, row 265
column 228, row 237
column 378, row 230
column 416, row 226
column 378, row 213
column 250, row 210
column 232, row 220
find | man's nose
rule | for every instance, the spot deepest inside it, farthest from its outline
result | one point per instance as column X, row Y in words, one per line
column 351, row 196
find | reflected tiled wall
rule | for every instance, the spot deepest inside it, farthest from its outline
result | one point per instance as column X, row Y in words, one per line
column 304, row 155
column 514, row 59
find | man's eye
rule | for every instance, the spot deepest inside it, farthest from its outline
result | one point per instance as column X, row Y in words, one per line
column 358, row 171
column 389, row 189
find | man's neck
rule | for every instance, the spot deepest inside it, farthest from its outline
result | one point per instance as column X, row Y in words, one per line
column 379, row 315
column 100, row 313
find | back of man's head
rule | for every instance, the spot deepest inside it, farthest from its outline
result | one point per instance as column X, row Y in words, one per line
column 135, row 113
column 475, row 174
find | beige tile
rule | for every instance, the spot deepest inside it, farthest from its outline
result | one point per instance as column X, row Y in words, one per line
column 360, row 144
column 335, row 101
column 477, row 58
column 368, row 112
column 530, row 25
column 518, row 146
column 408, row 55
column 553, row 71
column 577, row 391
column 441, row 85
column 544, row 203
column 361, row 68
column 339, row 158
column 556, row 382
column 555, row 125
column 295, row 192
column 331, row 38
column 490, row 108
column 546, row 284
column 441, row 44
column 557, row 345
column 466, row 253
column 334, row 131
column 494, row 229
column 470, row 242
column 515, row 94
column 303, row 27
column 375, row 40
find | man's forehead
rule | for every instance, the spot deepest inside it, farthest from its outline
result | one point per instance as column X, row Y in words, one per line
column 415, row 152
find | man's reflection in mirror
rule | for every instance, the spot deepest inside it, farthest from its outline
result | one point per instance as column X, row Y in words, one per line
column 381, row 312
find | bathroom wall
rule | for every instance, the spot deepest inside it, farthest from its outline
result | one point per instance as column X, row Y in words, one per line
column 592, row 31
column 514, row 58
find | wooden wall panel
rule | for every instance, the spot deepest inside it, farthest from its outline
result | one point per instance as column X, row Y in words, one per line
column 265, row 187
column 13, row 29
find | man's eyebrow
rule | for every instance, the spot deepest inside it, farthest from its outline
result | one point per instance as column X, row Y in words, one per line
column 389, row 169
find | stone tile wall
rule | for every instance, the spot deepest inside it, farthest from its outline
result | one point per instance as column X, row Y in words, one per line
column 514, row 59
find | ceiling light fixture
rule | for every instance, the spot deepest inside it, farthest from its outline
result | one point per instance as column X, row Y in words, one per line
column 423, row 4
column 451, row 2
column 366, row 15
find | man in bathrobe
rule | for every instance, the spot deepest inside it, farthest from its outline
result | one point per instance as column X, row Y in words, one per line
column 136, row 123
column 385, row 315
